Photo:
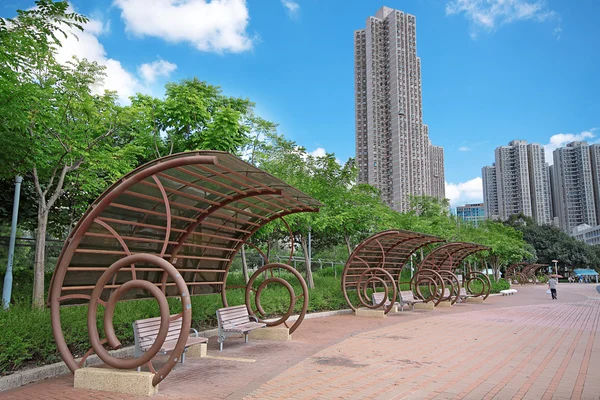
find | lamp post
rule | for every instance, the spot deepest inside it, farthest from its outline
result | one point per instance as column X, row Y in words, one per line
column 555, row 267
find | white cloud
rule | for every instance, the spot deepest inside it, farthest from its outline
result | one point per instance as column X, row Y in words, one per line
column 321, row 152
column 318, row 152
column 462, row 193
column 150, row 71
column 86, row 45
column 489, row 14
column 562, row 139
column 293, row 8
column 218, row 25
column 464, row 148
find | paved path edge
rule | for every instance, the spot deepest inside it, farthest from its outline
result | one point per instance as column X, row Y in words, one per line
column 31, row 375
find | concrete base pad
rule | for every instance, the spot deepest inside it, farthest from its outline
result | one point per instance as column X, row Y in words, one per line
column 197, row 350
column 113, row 380
column 367, row 312
column 424, row 306
column 278, row 333
column 475, row 300
column 446, row 303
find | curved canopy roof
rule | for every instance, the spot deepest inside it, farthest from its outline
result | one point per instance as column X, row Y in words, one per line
column 531, row 269
column 449, row 256
column 388, row 250
column 514, row 267
column 194, row 209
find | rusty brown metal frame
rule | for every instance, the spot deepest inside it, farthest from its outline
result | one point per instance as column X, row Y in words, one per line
column 445, row 259
column 213, row 202
column 513, row 269
column 530, row 271
column 377, row 262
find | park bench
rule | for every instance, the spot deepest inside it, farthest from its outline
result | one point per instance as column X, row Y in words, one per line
column 407, row 297
column 507, row 292
column 377, row 297
column 236, row 320
column 146, row 330
column 463, row 295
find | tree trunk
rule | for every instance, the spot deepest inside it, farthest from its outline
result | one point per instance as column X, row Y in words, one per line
column 244, row 264
column 39, row 262
column 309, row 278
column 348, row 244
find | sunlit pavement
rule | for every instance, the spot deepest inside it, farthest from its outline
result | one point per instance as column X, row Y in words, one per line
column 510, row 347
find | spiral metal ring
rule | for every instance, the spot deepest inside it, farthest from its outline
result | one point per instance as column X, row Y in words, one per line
column 434, row 282
column 111, row 337
column 486, row 284
column 375, row 279
column 453, row 284
column 272, row 279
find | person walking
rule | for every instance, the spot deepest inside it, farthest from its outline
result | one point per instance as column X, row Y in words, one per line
column 552, row 282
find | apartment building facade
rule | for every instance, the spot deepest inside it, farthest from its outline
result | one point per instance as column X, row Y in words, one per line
column 490, row 192
column 393, row 151
column 574, row 184
column 522, row 185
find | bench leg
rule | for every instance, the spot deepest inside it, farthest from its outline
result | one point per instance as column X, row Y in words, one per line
column 220, row 346
column 246, row 338
column 183, row 356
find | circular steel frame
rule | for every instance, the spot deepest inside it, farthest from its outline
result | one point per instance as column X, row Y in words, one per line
column 193, row 211
column 382, row 257
column 448, row 257
column 513, row 269
column 530, row 271
column 486, row 284
column 432, row 279
column 273, row 279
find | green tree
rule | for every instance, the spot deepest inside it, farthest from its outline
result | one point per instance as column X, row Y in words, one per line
column 194, row 116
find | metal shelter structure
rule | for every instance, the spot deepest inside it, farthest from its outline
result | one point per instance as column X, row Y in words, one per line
column 531, row 269
column 377, row 262
column 442, row 262
column 170, row 228
column 523, row 272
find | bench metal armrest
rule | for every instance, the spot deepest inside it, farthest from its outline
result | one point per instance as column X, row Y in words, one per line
column 195, row 331
column 253, row 317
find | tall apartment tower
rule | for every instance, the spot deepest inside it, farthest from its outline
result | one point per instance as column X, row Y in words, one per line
column 595, row 160
column 512, row 178
column 393, row 152
column 436, row 162
column 490, row 192
column 539, row 184
column 574, row 186
column 522, row 184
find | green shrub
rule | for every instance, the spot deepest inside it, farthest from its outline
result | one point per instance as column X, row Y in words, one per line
column 26, row 334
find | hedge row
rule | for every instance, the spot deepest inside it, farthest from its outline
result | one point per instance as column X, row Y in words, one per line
column 26, row 336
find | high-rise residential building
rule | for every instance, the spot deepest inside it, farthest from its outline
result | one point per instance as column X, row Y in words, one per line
column 574, row 185
column 553, row 199
column 512, row 178
column 490, row 192
column 393, row 152
column 436, row 162
column 472, row 213
column 518, row 183
column 539, row 184
column 595, row 160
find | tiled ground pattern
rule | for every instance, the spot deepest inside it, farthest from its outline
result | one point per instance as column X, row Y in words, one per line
column 501, row 349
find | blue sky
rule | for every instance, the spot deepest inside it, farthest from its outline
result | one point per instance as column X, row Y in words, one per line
column 492, row 70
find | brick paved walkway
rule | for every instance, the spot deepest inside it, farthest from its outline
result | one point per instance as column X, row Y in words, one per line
column 524, row 346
